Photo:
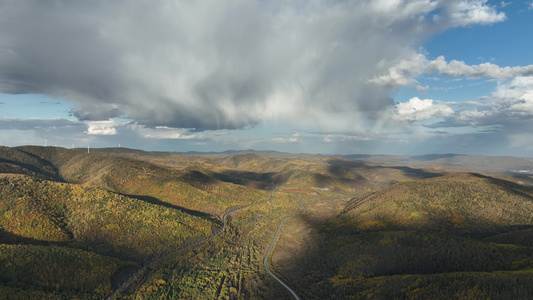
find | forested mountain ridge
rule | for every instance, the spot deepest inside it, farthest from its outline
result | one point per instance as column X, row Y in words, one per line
column 107, row 205
column 463, row 236
column 123, row 175
column 45, row 215
column 457, row 200
column 353, row 228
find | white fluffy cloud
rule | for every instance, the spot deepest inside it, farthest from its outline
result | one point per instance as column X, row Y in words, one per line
column 101, row 127
column 464, row 13
column 456, row 68
column 524, row 105
column 293, row 139
column 515, row 97
column 513, row 89
column 509, row 108
column 402, row 72
column 169, row 133
column 417, row 110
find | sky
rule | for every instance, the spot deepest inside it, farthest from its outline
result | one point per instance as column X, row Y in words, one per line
column 301, row 76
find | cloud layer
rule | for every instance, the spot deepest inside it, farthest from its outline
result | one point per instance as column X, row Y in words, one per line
column 403, row 72
column 227, row 64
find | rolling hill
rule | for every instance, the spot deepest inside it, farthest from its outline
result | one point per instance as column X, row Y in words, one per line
column 354, row 227
column 457, row 236
column 101, row 206
column 186, row 188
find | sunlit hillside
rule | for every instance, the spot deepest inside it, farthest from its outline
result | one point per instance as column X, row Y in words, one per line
column 188, row 188
column 71, row 240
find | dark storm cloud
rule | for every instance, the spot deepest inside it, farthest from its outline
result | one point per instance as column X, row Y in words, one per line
column 215, row 64
column 96, row 112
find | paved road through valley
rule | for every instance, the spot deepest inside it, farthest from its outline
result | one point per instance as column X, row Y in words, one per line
column 269, row 271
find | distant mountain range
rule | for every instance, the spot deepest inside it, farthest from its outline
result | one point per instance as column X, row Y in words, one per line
column 477, row 162
column 500, row 164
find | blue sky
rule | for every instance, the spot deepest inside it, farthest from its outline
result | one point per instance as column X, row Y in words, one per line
column 333, row 77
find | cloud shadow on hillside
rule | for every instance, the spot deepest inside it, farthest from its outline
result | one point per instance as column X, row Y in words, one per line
column 421, row 251
column 342, row 167
column 438, row 249
column 155, row 201
column 10, row 238
column 265, row 181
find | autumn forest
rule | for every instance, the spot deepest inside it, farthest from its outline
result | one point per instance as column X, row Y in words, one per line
column 121, row 223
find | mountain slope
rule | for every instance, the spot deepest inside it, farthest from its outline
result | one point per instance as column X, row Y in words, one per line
column 463, row 202
column 94, row 207
column 41, row 272
column 93, row 219
column 193, row 189
column 433, row 231
column 63, row 240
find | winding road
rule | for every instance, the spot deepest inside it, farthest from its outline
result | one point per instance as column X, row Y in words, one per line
column 266, row 265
